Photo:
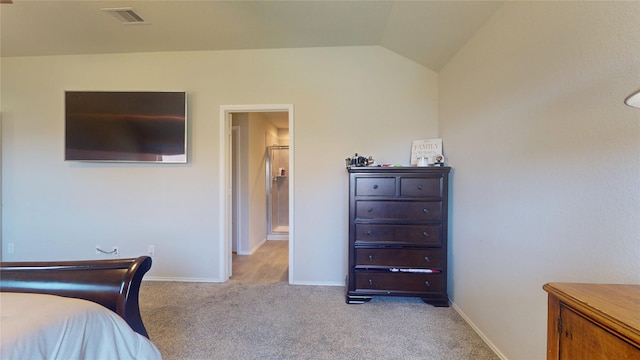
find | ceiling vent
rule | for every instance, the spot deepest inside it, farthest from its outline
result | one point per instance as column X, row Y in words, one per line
column 126, row 16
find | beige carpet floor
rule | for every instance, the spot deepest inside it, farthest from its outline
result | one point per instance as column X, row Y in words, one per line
column 236, row 320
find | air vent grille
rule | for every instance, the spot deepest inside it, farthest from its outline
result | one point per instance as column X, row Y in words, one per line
column 127, row 16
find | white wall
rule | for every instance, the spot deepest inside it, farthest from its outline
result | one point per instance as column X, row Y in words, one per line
column 347, row 99
column 283, row 136
column 255, row 132
column 259, row 130
column 546, row 185
column 2, row 244
column 240, row 183
column 1, row 203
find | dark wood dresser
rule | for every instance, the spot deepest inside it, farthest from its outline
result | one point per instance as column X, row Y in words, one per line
column 593, row 321
column 398, row 233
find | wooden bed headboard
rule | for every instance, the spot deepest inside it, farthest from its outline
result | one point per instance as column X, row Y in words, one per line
column 115, row 283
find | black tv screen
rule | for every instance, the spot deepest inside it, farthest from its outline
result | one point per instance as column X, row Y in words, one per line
column 133, row 126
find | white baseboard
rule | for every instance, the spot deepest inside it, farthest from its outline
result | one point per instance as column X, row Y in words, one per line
column 253, row 249
column 477, row 330
column 181, row 279
column 314, row 283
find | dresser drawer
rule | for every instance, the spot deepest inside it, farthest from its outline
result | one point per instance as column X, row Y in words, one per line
column 375, row 186
column 430, row 235
column 421, row 187
column 399, row 210
column 400, row 258
column 405, row 282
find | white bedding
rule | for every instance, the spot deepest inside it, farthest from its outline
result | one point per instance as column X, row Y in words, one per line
column 37, row 326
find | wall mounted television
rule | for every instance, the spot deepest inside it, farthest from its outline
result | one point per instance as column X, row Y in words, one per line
column 126, row 126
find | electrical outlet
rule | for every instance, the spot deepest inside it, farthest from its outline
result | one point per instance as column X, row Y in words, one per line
column 116, row 251
column 151, row 250
column 98, row 247
column 10, row 248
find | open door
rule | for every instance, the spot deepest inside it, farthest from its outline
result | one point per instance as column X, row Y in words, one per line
column 226, row 231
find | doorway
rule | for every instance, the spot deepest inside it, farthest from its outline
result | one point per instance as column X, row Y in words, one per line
column 277, row 185
column 227, row 194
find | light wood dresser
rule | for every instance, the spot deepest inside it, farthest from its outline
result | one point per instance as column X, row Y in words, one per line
column 398, row 233
column 593, row 321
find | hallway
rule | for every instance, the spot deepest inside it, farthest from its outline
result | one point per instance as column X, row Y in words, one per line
column 269, row 264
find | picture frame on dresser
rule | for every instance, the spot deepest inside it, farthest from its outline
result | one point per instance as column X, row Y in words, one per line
column 427, row 149
column 398, row 220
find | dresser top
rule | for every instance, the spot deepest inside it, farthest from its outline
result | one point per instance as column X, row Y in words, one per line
column 616, row 306
column 399, row 169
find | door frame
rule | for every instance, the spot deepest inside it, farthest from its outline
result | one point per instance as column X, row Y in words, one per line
column 235, row 175
column 225, row 189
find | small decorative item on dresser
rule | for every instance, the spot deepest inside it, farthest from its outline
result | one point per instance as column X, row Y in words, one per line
column 359, row 161
column 429, row 149
column 438, row 160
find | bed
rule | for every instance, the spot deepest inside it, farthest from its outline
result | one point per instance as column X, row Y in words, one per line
column 73, row 310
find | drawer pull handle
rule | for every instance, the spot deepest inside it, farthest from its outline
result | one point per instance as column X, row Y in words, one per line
column 370, row 282
column 369, row 209
column 426, row 211
column 427, row 283
column 375, row 186
column 369, row 232
column 370, row 257
column 425, row 234
column 419, row 187
column 426, row 258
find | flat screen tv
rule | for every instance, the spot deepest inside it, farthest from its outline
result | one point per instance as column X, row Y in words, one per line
column 126, row 126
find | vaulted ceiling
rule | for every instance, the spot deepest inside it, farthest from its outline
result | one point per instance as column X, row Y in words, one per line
column 427, row 32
